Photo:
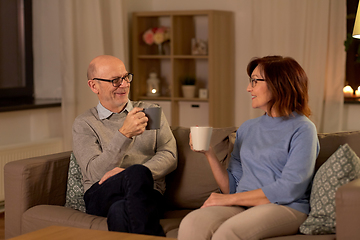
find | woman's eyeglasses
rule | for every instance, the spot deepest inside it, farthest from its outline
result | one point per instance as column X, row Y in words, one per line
column 254, row 81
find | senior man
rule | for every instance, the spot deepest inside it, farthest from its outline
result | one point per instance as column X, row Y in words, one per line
column 123, row 165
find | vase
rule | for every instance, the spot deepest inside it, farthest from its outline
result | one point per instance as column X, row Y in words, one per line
column 188, row 91
column 160, row 49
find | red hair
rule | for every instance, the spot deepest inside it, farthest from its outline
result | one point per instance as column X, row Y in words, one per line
column 287, row 82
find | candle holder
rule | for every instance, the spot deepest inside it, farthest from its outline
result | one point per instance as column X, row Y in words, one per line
column 357, row 93
column 153, row 85
column 348, row 91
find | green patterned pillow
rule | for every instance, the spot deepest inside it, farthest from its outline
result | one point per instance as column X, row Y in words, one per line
column 342, row 167
column 75, row 188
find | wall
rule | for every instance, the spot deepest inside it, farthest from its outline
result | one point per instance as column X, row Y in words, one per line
column 351, row 117
column 19, row 127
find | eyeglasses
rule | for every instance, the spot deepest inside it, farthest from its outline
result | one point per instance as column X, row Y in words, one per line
column 254, row 81
column 116, row 82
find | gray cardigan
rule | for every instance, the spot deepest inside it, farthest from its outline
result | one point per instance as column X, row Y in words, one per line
column 99, row 147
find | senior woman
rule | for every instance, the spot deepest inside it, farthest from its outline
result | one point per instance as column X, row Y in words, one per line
column 266, row 187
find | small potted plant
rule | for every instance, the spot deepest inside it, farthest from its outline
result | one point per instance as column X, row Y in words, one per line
column 188, row 86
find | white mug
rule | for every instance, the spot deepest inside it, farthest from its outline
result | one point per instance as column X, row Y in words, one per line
column 201, row 137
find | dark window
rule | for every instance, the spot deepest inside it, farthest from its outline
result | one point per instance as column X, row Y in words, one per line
column 352, row 46
column 16, row 56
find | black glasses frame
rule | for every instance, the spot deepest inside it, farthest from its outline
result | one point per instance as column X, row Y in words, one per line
column 253, row 81
column 116, row 82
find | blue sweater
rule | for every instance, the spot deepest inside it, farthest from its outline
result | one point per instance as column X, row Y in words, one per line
column 277, row 155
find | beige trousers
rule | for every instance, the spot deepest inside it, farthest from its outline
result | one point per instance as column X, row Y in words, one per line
column 230, row 223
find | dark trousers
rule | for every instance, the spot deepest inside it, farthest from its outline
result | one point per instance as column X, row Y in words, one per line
column 129, row 201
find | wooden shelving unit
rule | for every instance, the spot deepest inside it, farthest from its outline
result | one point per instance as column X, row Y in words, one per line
column 214, row 71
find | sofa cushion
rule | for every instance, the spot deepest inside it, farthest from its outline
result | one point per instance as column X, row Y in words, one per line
column 329, row 143
column 41, row 216
column 75, row 188
column 193, row 182
column 342, row 167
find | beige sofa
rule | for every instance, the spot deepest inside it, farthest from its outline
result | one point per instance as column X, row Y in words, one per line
column 35, row 189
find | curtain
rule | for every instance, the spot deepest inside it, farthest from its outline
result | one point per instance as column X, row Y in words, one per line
column 88, row 28
column 311, row 32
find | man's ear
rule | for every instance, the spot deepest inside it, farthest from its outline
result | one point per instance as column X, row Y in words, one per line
column 94, row 86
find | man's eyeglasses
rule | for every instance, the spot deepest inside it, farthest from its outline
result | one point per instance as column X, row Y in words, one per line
column 254, row 81
column 116, row 82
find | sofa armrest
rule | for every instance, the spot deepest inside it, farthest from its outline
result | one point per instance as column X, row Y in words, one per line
column 33, row 181
column 348, row 211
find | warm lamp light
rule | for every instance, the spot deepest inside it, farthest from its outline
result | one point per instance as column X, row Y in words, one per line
column 356, row 31
column 348, row 91
column 153, row 85
column 357, row 92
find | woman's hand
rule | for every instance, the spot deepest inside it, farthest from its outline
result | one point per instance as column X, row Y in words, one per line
column 248, row 199
column 218, row 199
column 191, row 147
column 110, row 173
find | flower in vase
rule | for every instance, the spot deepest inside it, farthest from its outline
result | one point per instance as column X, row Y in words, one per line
column 156, row 35
column 148, row 37
column 159, row 36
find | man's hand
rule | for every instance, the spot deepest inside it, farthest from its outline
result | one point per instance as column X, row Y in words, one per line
column 110, row 173
column 134, row 124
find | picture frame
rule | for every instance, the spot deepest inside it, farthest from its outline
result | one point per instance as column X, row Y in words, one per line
column 198, row 47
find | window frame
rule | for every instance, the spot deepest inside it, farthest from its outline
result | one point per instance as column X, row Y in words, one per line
column 24, row 94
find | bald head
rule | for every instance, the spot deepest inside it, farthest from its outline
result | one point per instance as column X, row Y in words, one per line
column 99, row 64
column 101, row 73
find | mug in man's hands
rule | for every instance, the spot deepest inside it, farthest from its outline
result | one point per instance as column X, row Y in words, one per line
column 201, row 137
column 154, row 116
